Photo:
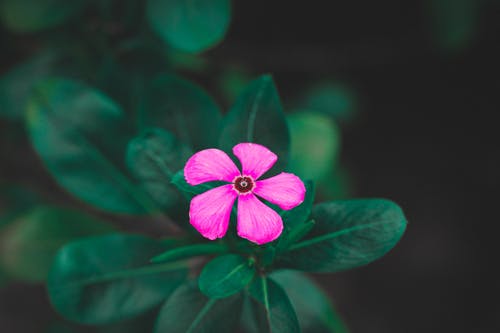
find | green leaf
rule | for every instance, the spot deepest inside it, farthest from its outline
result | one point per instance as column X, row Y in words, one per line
column 184, row 109
column 332, row 99
column 14, row 201
column 190, row 251
column 225, row 276
column 29, row 243
column 16, row 85
column 294, row 235
column 257, row 116
column 3, row 278
column 144, row 323
column 189, row 311
column 337, row 185
column 314, row 310
column 301, row 213
column 190, row 191
column 232, row 81
column 35, row 15
column 185, row 61
column 192, row 26
column 271, row 307
column 107, row 279
column 153, row 158
column 315, row 145
column 295, row 221
column 347, row 234
column 83, row 149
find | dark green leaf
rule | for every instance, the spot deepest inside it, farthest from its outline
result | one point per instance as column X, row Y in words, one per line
column 294, row 235
column 296, row 223
column 14, row 201
column 191, row 26
column 190, row 191
column 190, row 251
column 267, row 256
column 271, row 307
column 184, row 109
column 226, row 275
column 314, row 310
column 233, row 81
column 189, row 311
column 185, row 61
column 83, row 148
column 301, row 213
column 144, row 323
column 153, row 158
column 336, row 186
column 35, row 15
column 17, row 84
column 3, row 278
column 315, row 145
column 105, row 279
column 347, row 234
column 257, row 116
column 31, row 241
column 332, row 99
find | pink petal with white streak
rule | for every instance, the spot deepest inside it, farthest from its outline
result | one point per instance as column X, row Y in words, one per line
column 210, row 211
column 285, row 190
column 257, row 222
column 210, row 165
column 255, row 159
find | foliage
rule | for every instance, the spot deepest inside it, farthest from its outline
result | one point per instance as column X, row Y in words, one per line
column 114, row 126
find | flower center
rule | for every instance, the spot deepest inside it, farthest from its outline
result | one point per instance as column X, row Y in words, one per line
column 243, row 184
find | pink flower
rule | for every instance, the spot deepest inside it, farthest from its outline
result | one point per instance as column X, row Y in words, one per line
column 210, row 212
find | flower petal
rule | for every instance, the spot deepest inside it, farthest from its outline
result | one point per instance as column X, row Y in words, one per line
column 285, row 190
column 255, row 159
column 257, row 222
column 209, row 212
column 210, row 165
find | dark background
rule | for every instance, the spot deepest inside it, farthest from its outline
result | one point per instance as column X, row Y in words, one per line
column 425, row 136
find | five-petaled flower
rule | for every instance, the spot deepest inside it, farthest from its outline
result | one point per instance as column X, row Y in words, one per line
column 210, row 211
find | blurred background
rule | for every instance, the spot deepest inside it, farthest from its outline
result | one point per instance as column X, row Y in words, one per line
column 411, row 91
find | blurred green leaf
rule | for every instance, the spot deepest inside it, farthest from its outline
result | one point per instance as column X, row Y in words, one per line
column 3, row 278
column 332, row 99
column 190, row 25
column 315, row 145
column 347, row 234
column 314, row 310
column 190, row 191
column 225, row 276
column 14, row 201
column 454, row 22
column 16, row 85
column 107, row 279
column 153, row 158
column 337, row 185
column 189, row 311
column 190, row 251
column 187, row 61
column 182, row 108
column 81, row 136
column 233, row 81
column 271, row 309
column 28, row 245
column 35, row 15
column 257, row 116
